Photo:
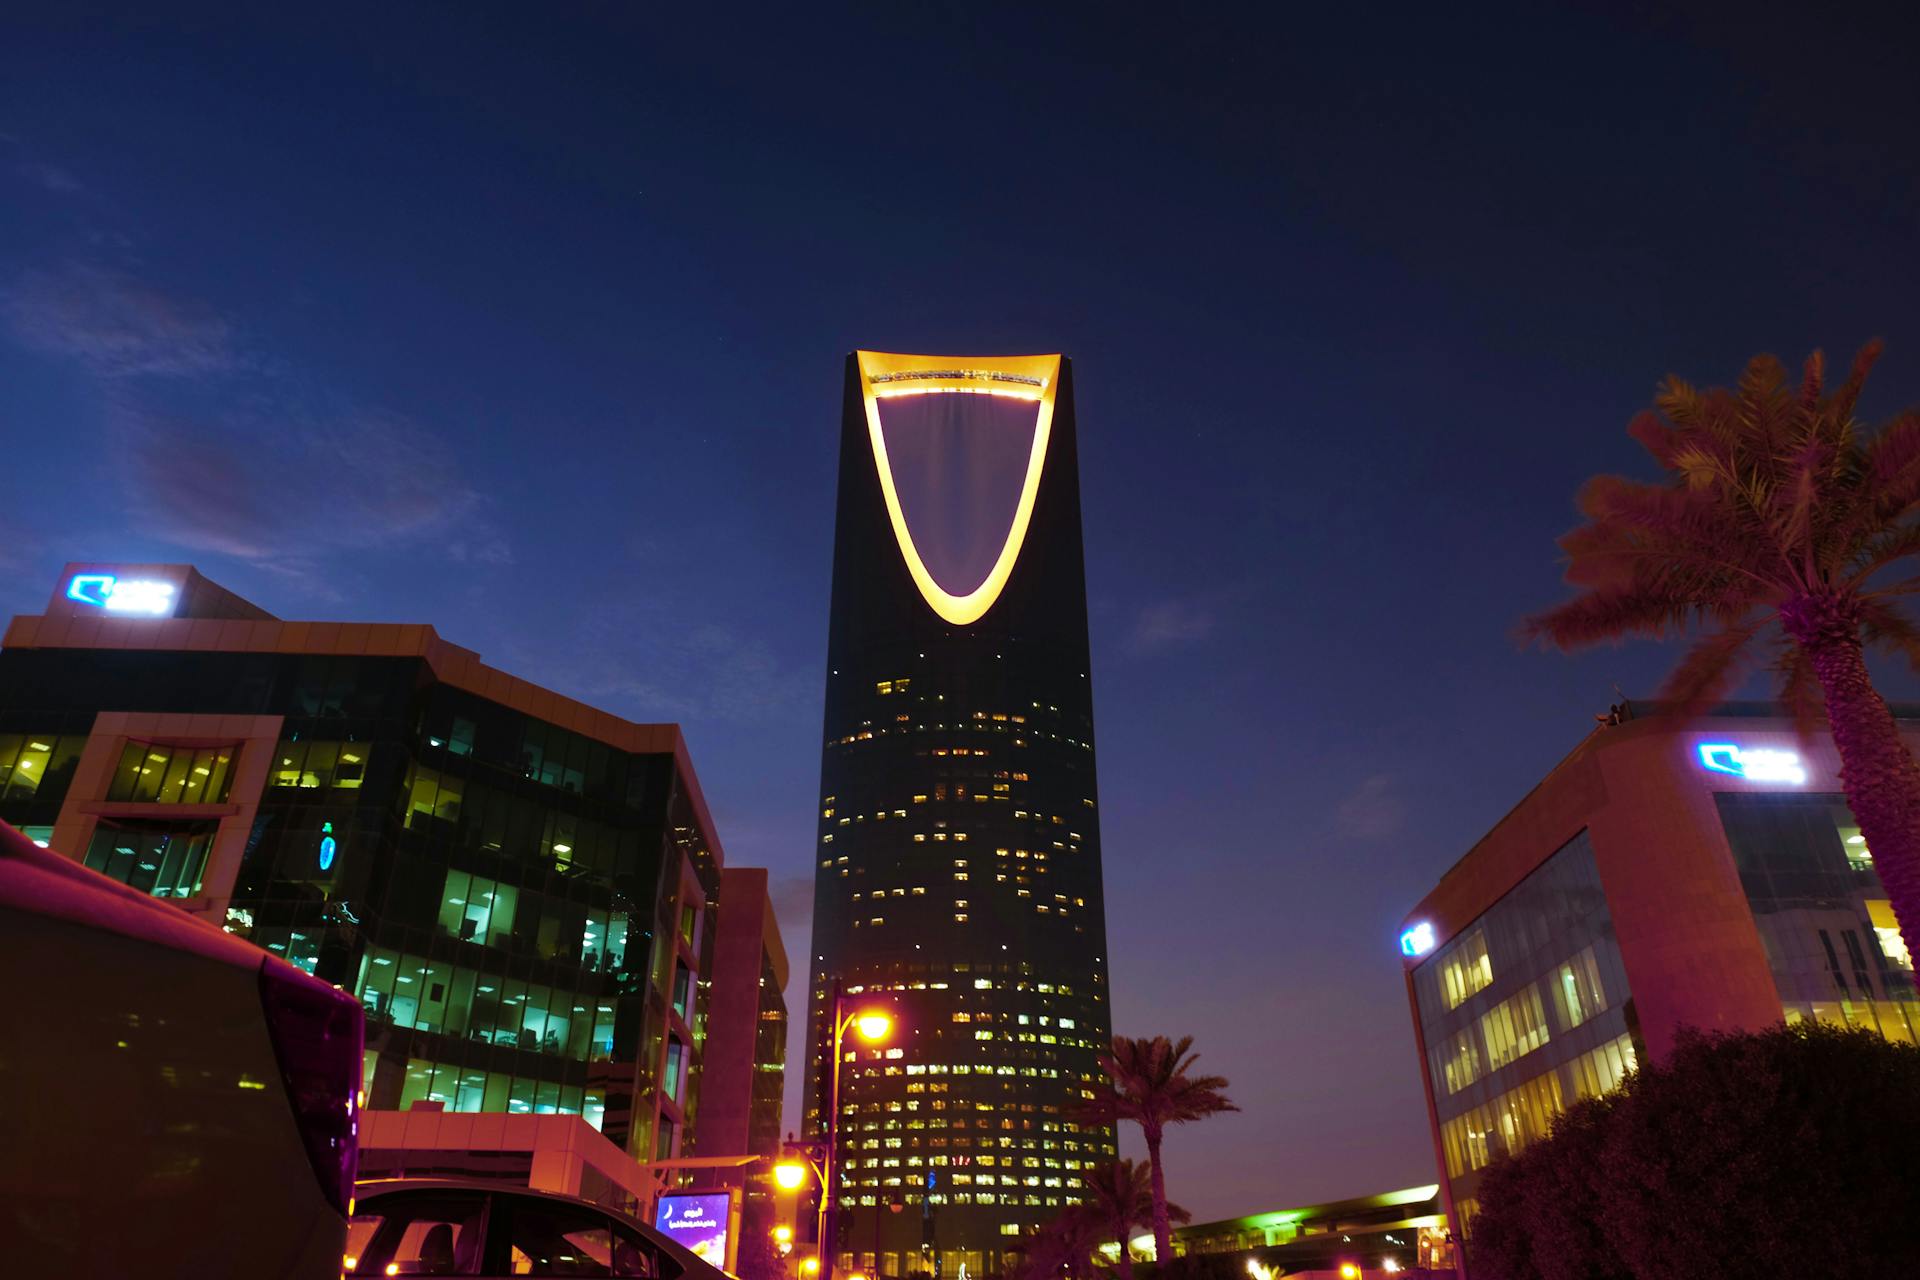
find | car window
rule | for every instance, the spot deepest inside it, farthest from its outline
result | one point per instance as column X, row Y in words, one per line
column 551, row 1238
column 360, row 1233
column 633, row 1255
column 418, row 1236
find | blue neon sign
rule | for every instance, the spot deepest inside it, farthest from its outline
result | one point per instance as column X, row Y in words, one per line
column 150, row 596
column 1752, row 763
column 326, row 846
column 1418, row 940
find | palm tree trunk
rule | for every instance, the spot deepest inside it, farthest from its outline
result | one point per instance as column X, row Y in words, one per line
column 1877, row 772
column 1126, row 1252
column 1162, row 1232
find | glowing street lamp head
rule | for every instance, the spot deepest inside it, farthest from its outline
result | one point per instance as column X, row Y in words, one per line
column 810, row 1265
column 873, row 1027
column 783, row 1234
column 1349, row 1271
column 789, row 1175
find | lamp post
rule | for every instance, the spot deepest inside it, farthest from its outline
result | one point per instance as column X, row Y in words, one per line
column 873, row 1026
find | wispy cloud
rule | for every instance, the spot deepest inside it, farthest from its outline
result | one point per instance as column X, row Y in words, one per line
column 655, row 664
column 116, row 325
column 261, row 477
column 1170, row 623
column 48, row 176
column 1373, row 810
column 283, row 493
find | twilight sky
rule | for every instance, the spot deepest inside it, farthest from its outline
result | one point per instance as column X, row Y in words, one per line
column 529, row 323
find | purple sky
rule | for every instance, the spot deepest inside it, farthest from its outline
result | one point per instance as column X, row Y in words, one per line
column 529, row 323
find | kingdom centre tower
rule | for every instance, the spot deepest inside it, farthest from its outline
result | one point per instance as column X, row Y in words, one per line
column 957, row 875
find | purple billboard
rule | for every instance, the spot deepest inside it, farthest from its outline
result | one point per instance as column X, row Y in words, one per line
column 697, row 1222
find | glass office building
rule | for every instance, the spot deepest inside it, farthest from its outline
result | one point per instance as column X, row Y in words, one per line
column 1667, row 874
column 958, row 858
column 521, row 889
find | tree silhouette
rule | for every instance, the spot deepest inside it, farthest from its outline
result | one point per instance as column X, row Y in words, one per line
column 1120, row 1197
column 1784, row 1152
column 1778, row 527
column 1149, row 1085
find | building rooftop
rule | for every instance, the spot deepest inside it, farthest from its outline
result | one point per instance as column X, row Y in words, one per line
column 173, row 607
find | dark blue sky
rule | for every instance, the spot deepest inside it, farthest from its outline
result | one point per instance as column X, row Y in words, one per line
column 529, row 323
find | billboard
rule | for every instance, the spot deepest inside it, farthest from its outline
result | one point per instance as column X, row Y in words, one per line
column 697, row 1222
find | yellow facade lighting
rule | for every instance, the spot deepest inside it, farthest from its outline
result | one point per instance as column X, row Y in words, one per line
column 884, row 375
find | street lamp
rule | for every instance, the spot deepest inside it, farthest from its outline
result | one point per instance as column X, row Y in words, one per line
column 873, row 1026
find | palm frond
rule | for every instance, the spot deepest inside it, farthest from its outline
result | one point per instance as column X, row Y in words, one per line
column 1714, row 665
column 1884, row 627
column 1769, row 495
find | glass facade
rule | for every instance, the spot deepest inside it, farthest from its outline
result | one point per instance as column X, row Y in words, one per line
column 1524, row 1012
column 504, row 895
column 1823, row 916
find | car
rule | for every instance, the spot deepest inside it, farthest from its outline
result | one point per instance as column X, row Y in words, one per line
column 472, row 1227
column 180, row 1102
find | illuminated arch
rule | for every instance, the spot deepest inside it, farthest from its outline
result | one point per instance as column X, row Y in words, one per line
column 1035, row 378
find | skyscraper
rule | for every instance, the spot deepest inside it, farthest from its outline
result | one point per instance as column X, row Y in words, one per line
column 958, row 865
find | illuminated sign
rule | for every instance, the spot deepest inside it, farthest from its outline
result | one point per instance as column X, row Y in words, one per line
column 326, row 846
column 1418, row 940
column 148, row 596
column 1753, row 764
column 698, row 1223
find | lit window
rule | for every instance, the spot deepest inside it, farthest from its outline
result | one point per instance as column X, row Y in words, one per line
column 1464, row 969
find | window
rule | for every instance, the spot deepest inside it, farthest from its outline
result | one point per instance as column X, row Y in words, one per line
column 165, row 859
column 1465, row 969
column 1577, row 990
column 1459, row 1060
column 404, row 1235
column 431, row 794
column 1601, row 1070
column 28, row 759
column 676, row 1059
column 310, row 765
column 155, row 774
column 1513, row 1028
column 475, row 909
column 682, row 989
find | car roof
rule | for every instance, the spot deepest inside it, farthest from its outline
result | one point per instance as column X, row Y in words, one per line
column 46, row 883
column 375, row 1188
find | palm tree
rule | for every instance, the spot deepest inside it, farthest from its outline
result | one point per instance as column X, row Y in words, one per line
column 1149, row 1085
column 1120, row 1198
column 1776, row 531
